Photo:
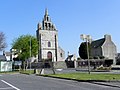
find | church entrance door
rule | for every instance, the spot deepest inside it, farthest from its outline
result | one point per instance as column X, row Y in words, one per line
column 49, row 55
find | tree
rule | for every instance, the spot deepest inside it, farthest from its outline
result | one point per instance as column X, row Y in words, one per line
column 83, row 50
column 22, row 43
column 118, row 59
column 2, row 41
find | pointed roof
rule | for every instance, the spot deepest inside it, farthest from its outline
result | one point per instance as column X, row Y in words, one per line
column 46, row 23
column 46, row 16
column 46, row 12
column 39, row 26
column 97, row 43
column 100, row 42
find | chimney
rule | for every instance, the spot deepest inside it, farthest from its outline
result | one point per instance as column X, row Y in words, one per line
column 107, row 37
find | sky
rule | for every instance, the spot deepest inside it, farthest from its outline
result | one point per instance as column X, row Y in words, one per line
column 71, row 17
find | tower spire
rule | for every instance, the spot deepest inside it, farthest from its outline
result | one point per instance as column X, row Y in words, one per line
column 46, row 12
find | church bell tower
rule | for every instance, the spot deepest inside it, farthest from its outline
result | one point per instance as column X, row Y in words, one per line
column 47, row 36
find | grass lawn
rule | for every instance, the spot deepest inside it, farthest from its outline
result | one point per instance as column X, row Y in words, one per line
column 27, row 72
column 17, row 71
column 86, row 76
column 9, row 72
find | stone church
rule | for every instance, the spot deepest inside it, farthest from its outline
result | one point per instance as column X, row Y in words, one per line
column 47, row 36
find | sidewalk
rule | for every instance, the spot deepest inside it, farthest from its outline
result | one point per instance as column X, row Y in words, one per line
column 111, row 84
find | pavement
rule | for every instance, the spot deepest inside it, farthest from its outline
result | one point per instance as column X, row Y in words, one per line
column 75, row 70
column 111, row 84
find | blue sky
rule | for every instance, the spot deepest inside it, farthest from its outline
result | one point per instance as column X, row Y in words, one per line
column 71, row 17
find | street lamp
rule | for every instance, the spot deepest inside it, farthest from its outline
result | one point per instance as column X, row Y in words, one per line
column 88, row 39
column 30, row 54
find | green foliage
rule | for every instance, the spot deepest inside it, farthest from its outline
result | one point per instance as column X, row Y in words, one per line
column 118, row 59
column 83, row 50
column 86, row 76
column 102, row 57
column 22, row 43
column 28, row 72
column 104, row 68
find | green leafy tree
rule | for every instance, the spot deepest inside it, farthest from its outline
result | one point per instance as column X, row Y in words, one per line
column 23, row 44
column 83, row 50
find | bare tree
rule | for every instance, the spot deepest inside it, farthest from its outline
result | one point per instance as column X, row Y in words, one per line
column 2, row 41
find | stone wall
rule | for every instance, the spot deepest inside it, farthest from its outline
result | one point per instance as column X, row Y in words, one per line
column 60, row 64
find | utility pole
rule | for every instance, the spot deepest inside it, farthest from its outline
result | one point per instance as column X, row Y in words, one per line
column 56, row 48
column 30, row 55
column 88, row 40
column 88, row 56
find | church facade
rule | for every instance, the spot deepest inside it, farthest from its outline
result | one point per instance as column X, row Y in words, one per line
column 47, row 36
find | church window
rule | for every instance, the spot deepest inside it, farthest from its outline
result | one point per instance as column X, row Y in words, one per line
column 46, row 25
column 49, row 55
column 49, row 25
column 61, row 54
column 47, row 18
column 49, row 44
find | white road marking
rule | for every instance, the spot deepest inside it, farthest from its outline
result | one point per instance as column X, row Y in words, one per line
column 10, row 85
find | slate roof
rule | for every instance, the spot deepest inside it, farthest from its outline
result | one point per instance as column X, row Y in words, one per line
column 97, row 43
column 2, row 58
column 69, row 57
column 7, row 53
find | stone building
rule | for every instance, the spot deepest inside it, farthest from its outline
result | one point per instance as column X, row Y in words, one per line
column 104, row 47
column 3, row 58
column 47, row 35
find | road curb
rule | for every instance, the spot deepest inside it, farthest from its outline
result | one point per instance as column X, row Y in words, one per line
column 106, row 84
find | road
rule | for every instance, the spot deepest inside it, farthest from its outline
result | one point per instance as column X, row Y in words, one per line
column 32, row 82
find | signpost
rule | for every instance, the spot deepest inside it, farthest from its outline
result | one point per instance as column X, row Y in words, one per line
column 88, row 40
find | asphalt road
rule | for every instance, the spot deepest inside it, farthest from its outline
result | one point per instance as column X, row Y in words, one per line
column 32, row 82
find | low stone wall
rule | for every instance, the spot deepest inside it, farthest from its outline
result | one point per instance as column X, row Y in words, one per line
column 115, row 67
column 94, row 62
column 60, row 64
column 71, row 64
column 38, row 65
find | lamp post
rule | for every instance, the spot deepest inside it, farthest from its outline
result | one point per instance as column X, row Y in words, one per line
column 88, row 39
column 19, row 51
column 30, row 54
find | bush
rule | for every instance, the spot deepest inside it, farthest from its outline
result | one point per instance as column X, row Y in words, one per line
column 103, row 68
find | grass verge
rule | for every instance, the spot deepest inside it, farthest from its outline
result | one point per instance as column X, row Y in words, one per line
column 86, row 76
column 9, row 72
column 28, row 72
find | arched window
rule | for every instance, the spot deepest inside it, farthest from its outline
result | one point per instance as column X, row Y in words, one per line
column 49, row 44
column 47, row 18
column 49, row 55
column 61, row 54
